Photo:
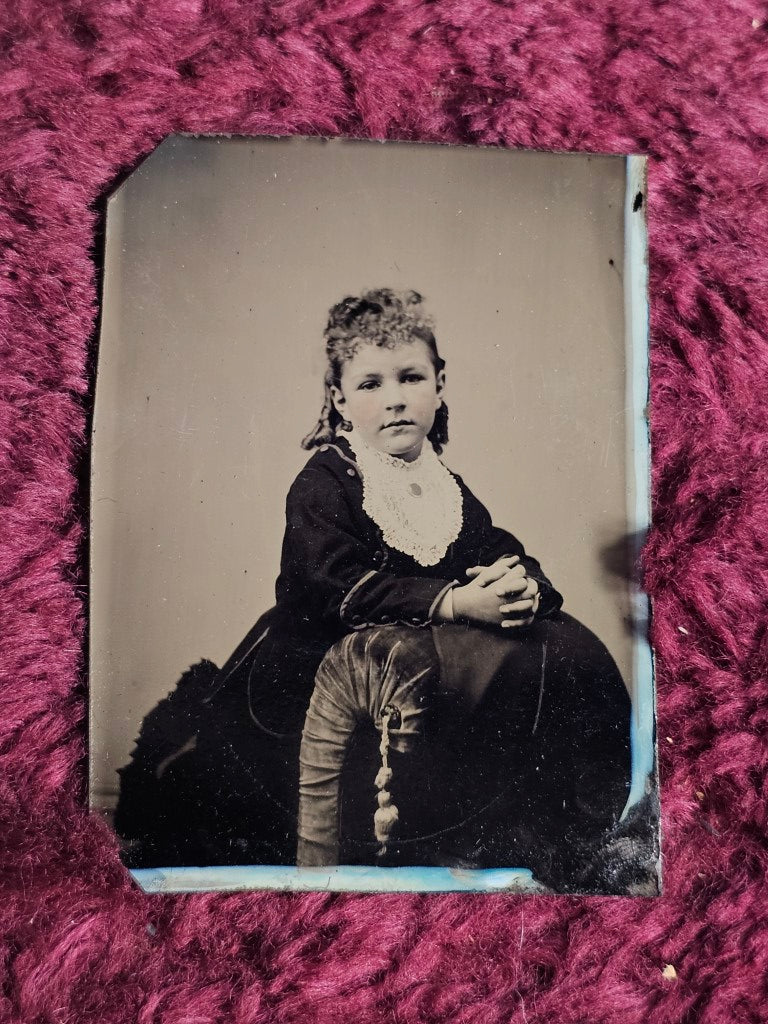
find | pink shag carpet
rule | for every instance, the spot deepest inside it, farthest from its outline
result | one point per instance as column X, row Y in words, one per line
column 87, row 87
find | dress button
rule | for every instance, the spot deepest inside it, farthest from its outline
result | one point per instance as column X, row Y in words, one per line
column 351, row 472
column 357, row 618
column 416, row 620
column 385, row 618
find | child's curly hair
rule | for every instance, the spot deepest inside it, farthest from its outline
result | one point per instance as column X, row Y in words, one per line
column 382, row 317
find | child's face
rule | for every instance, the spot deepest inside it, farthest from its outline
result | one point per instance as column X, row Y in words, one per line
column 390, row 396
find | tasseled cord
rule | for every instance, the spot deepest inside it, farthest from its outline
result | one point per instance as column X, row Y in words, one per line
column 386, row 816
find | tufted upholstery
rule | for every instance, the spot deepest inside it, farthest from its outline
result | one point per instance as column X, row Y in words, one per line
column 364, row 673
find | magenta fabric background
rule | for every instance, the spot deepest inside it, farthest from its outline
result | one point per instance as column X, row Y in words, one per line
column 87, row 87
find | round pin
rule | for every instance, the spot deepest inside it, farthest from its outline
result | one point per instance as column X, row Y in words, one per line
column 415, row 490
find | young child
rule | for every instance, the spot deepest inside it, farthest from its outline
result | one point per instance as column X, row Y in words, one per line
column 396, row 593
column 386, row 546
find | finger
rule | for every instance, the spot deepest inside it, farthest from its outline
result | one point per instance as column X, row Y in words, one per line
column 531, row 587
column 488, row 574
column 507, row 562
column 517, row 606
column 514, row 623
column 503, row 565
column 509, row 587
column 517, row 572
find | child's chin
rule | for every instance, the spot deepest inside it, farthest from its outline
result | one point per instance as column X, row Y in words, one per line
column 404, row 450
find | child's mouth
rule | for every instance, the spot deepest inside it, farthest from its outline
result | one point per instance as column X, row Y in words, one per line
column 398, row 423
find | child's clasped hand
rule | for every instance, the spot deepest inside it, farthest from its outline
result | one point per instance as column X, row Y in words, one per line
column 499, row 594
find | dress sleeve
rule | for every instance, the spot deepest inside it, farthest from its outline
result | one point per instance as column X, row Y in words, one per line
column 330, row 571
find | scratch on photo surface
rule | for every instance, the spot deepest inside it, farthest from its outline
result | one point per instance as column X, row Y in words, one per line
column 541, row 686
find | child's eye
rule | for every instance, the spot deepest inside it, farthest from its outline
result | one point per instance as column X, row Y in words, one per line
column 411, row 378
column 368, row 385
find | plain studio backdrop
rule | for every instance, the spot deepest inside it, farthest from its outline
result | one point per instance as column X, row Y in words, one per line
column 223, row 257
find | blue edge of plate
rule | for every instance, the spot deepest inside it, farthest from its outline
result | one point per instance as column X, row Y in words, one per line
column 424, row 879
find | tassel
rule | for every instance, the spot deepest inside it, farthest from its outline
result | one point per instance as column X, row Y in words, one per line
column 386, row 817
column 384, row 821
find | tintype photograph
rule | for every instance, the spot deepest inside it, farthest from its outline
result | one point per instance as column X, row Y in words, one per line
column 369, row 483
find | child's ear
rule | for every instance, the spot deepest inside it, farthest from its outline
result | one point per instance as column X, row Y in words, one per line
column 338, row 399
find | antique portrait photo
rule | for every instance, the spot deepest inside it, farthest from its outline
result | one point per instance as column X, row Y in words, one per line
column 369, row 483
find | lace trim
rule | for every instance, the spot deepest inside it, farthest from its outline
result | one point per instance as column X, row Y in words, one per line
column 416, row 505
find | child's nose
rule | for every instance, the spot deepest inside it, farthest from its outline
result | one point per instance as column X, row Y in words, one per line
column 395, row 397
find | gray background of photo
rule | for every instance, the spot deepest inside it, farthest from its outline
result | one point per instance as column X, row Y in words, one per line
column 222, row 259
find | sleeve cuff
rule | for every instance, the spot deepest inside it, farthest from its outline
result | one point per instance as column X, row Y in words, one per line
column 446, row 596
column 351, row 593
column 373, row 602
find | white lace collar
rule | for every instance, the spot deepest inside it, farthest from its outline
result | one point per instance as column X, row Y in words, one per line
column 416, row 505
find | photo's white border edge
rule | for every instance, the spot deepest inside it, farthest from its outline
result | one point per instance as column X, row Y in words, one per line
column 339, row 879
column 637, row 342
